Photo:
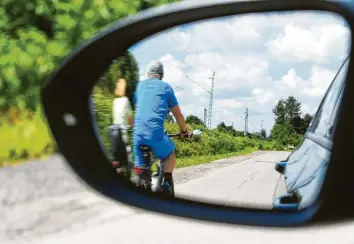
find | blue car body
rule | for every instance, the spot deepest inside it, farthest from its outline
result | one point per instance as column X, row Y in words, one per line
column 305, row 168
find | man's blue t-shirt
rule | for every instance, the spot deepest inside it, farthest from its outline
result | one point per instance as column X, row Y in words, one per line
column 153, row 98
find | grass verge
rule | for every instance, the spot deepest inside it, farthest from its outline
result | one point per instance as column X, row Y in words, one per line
column 197, row 160
column 24, row 138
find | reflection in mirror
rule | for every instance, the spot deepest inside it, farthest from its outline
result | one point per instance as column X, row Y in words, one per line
column 228, row 110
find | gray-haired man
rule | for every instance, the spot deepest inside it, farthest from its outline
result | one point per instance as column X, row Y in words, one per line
column 153, row 99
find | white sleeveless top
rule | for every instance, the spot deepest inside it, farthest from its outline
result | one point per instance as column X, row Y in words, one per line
column 122, row 110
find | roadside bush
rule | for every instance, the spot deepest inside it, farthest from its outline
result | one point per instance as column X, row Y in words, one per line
column 213, row 142
column 260, row 146
column 102, row 106
column 24, row 135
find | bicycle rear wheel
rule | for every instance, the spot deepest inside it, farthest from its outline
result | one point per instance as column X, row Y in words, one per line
column 159, row 177
column 172, row 188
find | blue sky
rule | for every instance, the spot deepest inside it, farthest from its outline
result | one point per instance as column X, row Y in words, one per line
column 258, row 59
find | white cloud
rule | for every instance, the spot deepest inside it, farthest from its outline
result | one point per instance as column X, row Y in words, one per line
column 315, row 86
column 233, row 70
column 262, row 96
column 321, row 78
column 319, row 43
column 205, row 36
column 295, row 36
column 228, row 104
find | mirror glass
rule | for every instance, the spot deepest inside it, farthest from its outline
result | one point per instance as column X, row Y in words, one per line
column 233, row 107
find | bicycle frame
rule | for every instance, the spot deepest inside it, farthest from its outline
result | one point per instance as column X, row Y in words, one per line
column 154, row 181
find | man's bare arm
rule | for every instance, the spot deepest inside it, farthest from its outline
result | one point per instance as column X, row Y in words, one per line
column 176, row 111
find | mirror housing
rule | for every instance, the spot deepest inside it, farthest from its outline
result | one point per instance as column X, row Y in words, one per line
column 280, row 167
column 67, row 106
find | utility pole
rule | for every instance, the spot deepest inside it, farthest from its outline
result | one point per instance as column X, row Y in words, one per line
column 205, row 116
column 211, row 100
column 211, row 93
column 246, row 122
column 262, row 125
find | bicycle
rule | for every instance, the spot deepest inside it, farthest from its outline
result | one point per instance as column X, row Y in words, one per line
column 153, row 182
column 122, row 161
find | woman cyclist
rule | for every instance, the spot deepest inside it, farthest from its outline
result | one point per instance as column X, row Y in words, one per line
column 122, row 120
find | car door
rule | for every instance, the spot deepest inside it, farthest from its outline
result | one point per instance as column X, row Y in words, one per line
column 316, row 147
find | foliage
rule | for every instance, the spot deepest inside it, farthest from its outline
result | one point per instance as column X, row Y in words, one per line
column 24, row 135
column 263, row 133
column 213, row 142
column 289, row 125
column 287, row 110
column 192, row 119
column 35, row 37
column 223, row 127
column 102, row 105
column 103, row 93
column 123, row 67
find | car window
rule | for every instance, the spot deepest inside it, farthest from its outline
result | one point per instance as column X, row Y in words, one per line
column 323, row 122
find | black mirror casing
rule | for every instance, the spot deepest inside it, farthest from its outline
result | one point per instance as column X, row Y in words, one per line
column 66, row 98
column 280, row 167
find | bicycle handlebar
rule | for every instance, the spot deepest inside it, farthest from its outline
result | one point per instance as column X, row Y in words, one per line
column 178, row 134
column 173, row 135
column 190, row 134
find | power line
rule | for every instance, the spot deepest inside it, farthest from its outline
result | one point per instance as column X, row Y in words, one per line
column 199, row 77
column 172, row 38
column 198, row 84
column 211, row 92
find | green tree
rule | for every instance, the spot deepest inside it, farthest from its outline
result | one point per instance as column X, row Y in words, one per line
column 292, row 108
column 298, row 124
column 123, row 67
column 301, row 124
column 192, row 119
column 287, row 110
column 263, row 133
column 284, row 134
column 221, row 126
column 289, row 125
column 280, row 112
column 36, row 35
column 238, row 133
column 307, row 120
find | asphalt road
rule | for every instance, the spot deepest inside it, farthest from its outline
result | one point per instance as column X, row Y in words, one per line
column 43, row 202
column 249, row 183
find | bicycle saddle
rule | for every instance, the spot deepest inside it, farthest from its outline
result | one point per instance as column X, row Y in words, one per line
column 144, row 148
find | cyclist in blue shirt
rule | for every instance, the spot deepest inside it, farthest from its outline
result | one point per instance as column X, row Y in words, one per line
column 153, row 100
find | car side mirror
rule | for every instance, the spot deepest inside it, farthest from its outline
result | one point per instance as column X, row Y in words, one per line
column 68, row 98
column 280, row 167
